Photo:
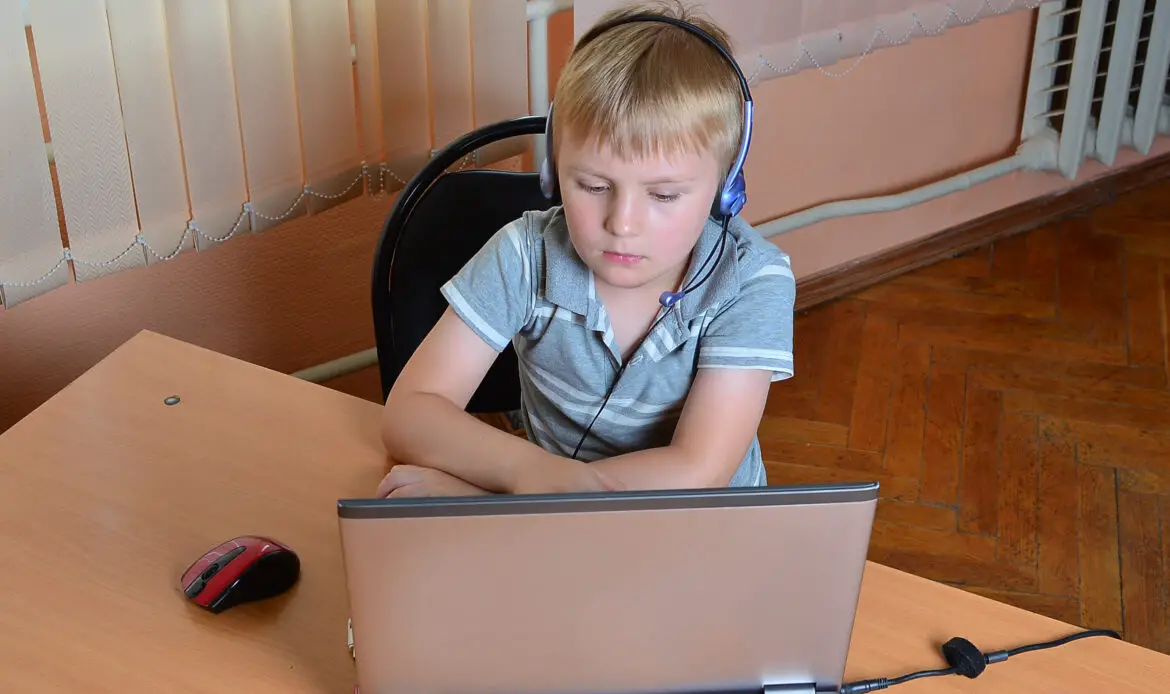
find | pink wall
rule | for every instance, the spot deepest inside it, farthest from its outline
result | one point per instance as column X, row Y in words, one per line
column 298, row 296
column 902, row 118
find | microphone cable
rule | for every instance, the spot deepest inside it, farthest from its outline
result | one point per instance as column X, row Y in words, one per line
column 668, row 300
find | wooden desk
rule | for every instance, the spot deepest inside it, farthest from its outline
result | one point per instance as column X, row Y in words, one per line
column 107, row 494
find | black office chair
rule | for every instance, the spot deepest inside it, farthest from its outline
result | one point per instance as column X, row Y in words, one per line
column 439, row 221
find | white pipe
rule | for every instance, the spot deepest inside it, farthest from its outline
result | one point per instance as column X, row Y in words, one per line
column 339, row 367
column 538, row 87
column 1036, row 154
column 543, row 9
column 538, row 77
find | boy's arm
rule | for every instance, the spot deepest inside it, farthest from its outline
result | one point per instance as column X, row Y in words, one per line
column 412, row 480
column 715, row 429
column 425, row 423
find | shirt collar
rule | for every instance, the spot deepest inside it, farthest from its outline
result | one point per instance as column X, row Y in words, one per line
column 568, row 283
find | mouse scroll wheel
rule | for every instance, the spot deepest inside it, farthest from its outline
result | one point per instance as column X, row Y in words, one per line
column 218, row 564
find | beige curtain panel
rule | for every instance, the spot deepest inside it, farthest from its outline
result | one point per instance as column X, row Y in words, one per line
column 174, row 125
column 774, row 38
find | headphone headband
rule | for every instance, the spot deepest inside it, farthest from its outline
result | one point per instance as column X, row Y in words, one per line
column 732, row 194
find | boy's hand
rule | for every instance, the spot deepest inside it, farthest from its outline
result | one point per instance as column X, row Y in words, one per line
column 414, row 481
column 557, row 475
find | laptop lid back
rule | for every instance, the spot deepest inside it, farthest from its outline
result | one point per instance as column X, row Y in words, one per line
column 714, row 590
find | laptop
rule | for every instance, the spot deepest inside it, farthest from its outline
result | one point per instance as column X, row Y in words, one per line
column 744, row 589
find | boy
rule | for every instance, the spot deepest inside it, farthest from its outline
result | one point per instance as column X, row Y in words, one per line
column 648, row 325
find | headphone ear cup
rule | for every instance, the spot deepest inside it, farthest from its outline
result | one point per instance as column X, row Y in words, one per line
column 548, row 172
column 732, row 197
column 548, row 179
column 735, row 195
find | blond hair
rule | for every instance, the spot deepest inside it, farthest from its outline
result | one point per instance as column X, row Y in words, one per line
column 650, row 88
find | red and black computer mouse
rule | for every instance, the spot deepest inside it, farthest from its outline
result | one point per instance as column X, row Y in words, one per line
column 244, row 569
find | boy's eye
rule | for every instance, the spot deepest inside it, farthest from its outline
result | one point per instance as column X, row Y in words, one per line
column 590, row 189
column 662, row 197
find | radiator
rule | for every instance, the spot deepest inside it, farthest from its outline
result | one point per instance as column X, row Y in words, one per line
column 1098, row 79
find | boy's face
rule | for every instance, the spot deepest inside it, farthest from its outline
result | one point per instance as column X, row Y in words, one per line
column 635, row 222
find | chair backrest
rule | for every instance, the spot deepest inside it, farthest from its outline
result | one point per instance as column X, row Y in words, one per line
column 438, row 223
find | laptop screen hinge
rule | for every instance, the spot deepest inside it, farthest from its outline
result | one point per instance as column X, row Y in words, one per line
column 806, row 688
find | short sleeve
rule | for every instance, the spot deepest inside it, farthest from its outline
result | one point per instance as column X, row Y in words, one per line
column 493, row 291
column 754, row 329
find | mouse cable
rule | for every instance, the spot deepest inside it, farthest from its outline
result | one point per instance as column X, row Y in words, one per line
column 967, row 660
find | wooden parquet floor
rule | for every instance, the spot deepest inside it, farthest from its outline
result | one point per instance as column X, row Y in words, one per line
column 1014, row 405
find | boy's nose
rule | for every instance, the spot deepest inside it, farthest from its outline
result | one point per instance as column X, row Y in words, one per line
column 622, row 218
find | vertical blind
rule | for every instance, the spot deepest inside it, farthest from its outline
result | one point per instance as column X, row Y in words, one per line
column 774, row 38
column 172, row 125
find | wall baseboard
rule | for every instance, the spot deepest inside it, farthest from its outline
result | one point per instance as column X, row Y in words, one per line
column 834, row 283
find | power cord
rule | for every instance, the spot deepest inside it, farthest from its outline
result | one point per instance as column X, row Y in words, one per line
column 967, row 660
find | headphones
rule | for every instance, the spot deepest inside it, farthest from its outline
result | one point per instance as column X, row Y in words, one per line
column 733, row 193
column 728, row 203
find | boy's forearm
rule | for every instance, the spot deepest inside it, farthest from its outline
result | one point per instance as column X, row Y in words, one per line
column 667, row 467
column 430, row 431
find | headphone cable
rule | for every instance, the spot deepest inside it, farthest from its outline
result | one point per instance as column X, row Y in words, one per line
column 965, row 659
column 714, row 253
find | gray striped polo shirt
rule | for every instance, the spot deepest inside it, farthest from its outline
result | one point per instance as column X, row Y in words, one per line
column 528, row 286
